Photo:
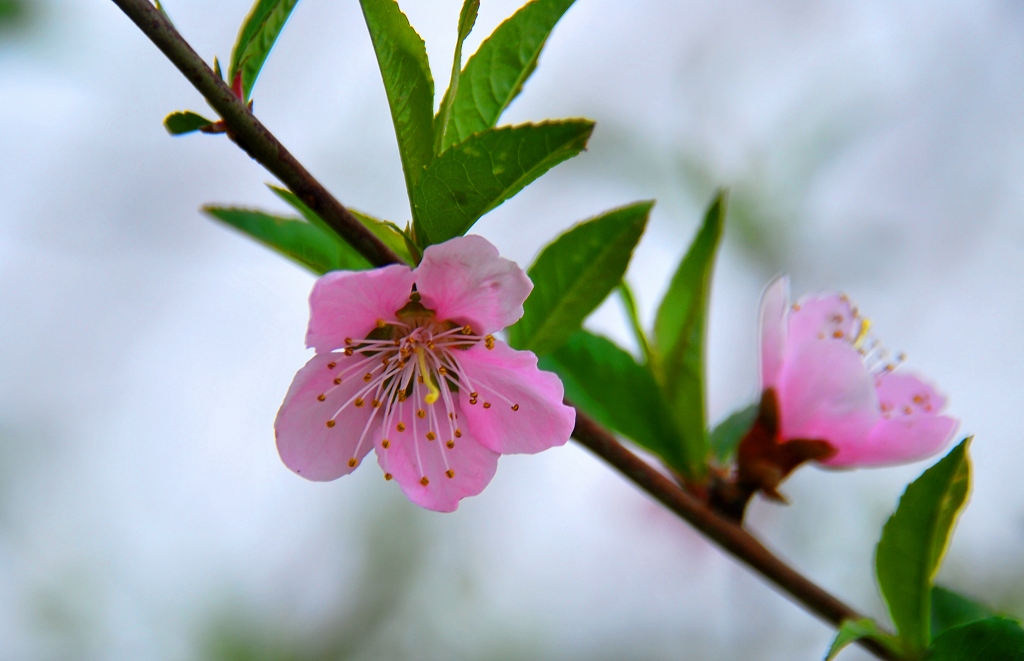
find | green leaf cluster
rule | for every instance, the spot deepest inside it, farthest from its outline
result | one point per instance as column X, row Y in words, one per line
column 659, row 401
column 458, row 163
column 932, row 623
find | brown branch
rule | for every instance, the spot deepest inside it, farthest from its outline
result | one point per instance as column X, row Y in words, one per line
column 249, row 134
column 246, row 131
column 731, row 537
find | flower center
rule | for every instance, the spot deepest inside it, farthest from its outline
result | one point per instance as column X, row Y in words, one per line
column 410, row 369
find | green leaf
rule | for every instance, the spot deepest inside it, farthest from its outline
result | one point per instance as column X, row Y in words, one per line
column 386, row 231
column 467, row 181
column 950, row 609
column 853, row 630
column 574, row 273
column 185, row 121
column 726, row 437
column 467, row 19
column 495, row 74
column 914, row 541
column 402, row 57
column 991, row 639
column 256, row 37
column 679, row 333
column 609, row 385
column 294, row 238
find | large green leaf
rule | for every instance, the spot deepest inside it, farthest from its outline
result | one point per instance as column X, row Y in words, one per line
column 991, row 639
column 467, row 181
column 609, row 385
column 386, row 231
column 467, row 19
column 402, row 57
column 950, row 609
column 185, row 121
column 679, row 334
column 259, row 31
column 574, row 273
column 495, row 74
column 851, row 631
column 295, row 238
column 914, row 541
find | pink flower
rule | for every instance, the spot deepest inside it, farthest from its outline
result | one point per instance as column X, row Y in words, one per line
column 406, row 364
column 833, row 383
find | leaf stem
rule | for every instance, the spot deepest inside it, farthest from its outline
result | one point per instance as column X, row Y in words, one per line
column 629, row 302
column 249, row 134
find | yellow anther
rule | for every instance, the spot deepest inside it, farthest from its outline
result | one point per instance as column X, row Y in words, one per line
column 321, row 397
column 487, row 405
column 352, row 462
column 348, row 351
column 420, row 413
column 442, row 370
column 400, row 426
column 381, row 323
column 385, row 444
column 367, row 377
column 489, row 341
column 466, row 330
column 424, row 481
column 387, row 476
column 450, row 473
column 359, row 402
column 330, row 423
column 431, row 435
column 515, row 407
column 458, row 433
column 348, row 340
column 337, row 381
column 450, row 443
column 331, row 366
column 376, row 403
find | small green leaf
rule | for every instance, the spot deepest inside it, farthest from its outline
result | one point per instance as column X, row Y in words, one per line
column 679, row 333
column 256, row 37
column 991, row 639
column 726, row 437
column 629, row 303
column 185, row 121
column 402, row 57
column 386, row 231
column 574, row 273
column 914, row 541
column 609, row 385
column 294, row 238
column 950, row 609
column 477, row 175
column 467, row 19
column 495, row 74
column 853, row 630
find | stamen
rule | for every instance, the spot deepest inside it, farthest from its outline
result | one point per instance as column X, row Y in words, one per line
column 330, row 424
column 424, row 481
column 385, row 444
column 352, row 462
column 450, row 473
column 515, row 407
column 321, row 397
column 450, row 444
column 431, row 435
column 487, row 405
column 387, row 477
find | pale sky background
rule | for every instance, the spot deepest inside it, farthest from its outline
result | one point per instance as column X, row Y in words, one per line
column 874, row 147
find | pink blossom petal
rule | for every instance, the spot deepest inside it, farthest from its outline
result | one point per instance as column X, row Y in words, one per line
column 347, row 304
column 822, row 317
column 773, row 330
column 519, row 408
column 305, row 442
column 465, row 281
column 451, row 473
column 826, row 393
column 910, row 428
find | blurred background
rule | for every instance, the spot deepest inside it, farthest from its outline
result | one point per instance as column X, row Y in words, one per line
column 873, row 147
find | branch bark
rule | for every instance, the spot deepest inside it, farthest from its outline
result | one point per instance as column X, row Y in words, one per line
column 249, row 134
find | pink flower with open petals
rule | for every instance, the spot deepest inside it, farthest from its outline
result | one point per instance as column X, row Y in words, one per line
column 407, row 365
column 834, row 384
